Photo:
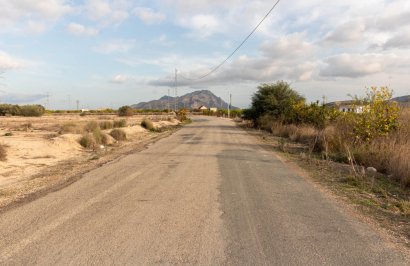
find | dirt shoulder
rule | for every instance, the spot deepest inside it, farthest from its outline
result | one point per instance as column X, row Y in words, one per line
column 41, row 161
column 374, row 198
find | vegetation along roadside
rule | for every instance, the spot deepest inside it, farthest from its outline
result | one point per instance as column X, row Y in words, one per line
column 363, row 155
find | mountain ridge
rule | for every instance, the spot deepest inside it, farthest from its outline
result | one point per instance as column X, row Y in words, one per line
column 192, row 100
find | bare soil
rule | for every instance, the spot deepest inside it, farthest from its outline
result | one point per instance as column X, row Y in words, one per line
column 40, row 156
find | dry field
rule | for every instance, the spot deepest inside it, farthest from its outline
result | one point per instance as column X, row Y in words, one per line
column 33, row 144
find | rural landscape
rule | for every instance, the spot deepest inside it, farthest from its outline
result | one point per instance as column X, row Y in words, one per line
column 204, row 133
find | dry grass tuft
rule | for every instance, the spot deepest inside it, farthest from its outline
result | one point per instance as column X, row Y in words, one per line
column 389, row 154
column 88, row 141
column 3, row 152
column 71, row 127
column 106, row 125
column 118, row 134
column 120, row 123
column 91, row 126
column 147, row 124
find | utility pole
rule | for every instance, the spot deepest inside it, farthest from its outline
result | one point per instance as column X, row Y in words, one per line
column 48, row 100
column 176, row 89
column 78, row 104
column 168, row 100
column 229, row 105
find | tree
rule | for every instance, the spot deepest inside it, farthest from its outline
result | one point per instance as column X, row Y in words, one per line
column 125, row 111
column 379, row 117
column 275, row 100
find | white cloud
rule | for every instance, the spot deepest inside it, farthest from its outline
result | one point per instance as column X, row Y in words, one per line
column 11, row 12
column 149, row 16
column 108, row 12
column 354, row 65
column 292, row 47
column 78, row 29
column 120, row 78
column 36, row 26
column 115, row 46
column 204, row 25
column 350, row 32
column 400, row 40
column 8, row 62
column 163, row 40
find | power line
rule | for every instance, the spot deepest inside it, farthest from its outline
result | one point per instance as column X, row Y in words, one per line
column 237, row 48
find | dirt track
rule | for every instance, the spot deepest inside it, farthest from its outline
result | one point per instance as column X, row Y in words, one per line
column 207, row 195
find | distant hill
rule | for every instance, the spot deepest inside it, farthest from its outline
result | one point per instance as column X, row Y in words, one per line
column 191, row 100
column 402, row 101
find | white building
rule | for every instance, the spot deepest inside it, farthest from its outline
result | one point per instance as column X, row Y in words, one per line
column 349, row 108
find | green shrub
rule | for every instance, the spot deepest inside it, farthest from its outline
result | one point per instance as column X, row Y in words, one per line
column 3, row 152
column 147, row 124
column 106, row 125
column 275, row 99
column 120, row 123
column 32, row 110
column 118, row 134
column 9, row 109
column 125, row 111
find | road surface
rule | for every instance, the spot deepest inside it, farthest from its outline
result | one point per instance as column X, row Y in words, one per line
column 207, row 195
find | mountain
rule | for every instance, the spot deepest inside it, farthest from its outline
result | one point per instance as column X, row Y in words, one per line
column 191, row 100
column 402, row 101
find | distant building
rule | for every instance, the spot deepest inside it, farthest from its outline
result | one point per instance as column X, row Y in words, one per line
column 203, row 107
column 213, row 109
column 349, row 108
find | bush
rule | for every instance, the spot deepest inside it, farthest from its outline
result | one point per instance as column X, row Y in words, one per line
column 3, row 152
column 182, row 115
column 9, row 109
column 71, row 127
column 275, row 99
column 147, row 124
column 99, row 136
column 120, row 123
column 118, row 134
column 91, row 126
column 125, row 111
column 32, row 110
column 88, row 141
column 25, row 110
column 379, row 117
column 106, row 125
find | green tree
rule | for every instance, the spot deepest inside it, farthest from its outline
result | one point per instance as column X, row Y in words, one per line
column 125, row 111
column 275, row 100
column 379, row 114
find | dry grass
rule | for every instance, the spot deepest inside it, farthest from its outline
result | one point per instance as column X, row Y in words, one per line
column 88, row 141
column 3, row 152
column 118, row 134
column 106, row 125
column 91, row 126
column 120, row 123
column 147, row 124
column 388, row 154
column 71, row 127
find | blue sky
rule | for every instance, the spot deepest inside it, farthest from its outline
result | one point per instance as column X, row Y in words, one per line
column 108, row 53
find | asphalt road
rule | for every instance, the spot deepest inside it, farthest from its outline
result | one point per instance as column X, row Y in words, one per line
column 207, row 195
